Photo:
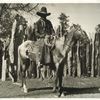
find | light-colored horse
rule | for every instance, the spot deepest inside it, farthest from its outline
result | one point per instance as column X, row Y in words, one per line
column 62, row 46
column 28, row 51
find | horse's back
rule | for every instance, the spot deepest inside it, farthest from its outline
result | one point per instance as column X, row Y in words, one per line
column 24, row 47
column 34, row 49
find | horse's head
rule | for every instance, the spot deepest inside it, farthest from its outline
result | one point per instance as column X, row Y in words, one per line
column 79, row 33
column 76, row 30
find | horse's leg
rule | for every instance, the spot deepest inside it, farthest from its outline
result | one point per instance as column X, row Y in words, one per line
column 43, row 72
column 60, row 76
column 15, row 73
column 55, row 82
column 24, row 81
column 53, row 73
column 11, row 77
column 48, row 72
column 20, row 64
column 56, row 78
column 10, row 73
column 24, row 78
column 38, row 70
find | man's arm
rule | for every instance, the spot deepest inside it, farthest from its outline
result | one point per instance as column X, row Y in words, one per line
column 36, row 31
column 51, row 29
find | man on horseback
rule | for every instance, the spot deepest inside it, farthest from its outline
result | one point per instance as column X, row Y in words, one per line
column 30, row 49
column 44, row 30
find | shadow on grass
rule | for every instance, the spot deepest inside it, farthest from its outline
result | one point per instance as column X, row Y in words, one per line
column 48, row 91
column 42, row 88
column 70, row 91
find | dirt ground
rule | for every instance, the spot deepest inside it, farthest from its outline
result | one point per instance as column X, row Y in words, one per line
column 73, row 88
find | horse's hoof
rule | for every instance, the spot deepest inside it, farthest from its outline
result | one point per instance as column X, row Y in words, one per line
column 41, row 79
column 98, row 89
column 59, row 94
column 54, row 90
column 25, row 91
column 12, row 80
column 59, row 91
column 37, row 77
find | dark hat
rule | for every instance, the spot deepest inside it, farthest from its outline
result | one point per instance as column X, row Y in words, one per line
column 43, row 12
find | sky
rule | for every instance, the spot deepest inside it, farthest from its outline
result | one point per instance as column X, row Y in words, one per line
column 87, row 15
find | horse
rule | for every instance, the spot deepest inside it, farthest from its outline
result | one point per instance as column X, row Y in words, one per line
column 30, row 50
column 62, row 47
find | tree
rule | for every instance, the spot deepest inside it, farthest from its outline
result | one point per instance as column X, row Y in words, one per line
column 62, row 30
column 6, row 17
column 97, row 28
column 63, row 23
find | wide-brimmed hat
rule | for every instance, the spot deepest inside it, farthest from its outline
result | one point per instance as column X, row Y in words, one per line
column 43, row 12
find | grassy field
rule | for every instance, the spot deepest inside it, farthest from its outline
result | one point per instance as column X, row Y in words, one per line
column 38, row 88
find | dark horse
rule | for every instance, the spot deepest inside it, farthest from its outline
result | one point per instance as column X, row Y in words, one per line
column 30, row 50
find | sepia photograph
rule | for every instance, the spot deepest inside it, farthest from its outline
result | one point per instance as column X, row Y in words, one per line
column 49, row 50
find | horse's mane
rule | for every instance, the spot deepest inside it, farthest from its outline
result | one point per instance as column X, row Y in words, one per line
column 76, row 33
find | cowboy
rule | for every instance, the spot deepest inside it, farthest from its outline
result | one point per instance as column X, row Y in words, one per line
column 44, row 30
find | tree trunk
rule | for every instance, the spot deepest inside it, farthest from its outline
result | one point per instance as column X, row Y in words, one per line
column 92, row 69
column 3, row 69
column 78, row 61
column 66, row 66
column 87, row 58
column 98, row 60
column 69, row 63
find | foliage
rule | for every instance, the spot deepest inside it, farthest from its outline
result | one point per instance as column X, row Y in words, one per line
column 64, row 20
column 97, row 28
column 6, row 17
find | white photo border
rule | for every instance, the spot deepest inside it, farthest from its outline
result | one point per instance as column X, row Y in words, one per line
column 49, row 1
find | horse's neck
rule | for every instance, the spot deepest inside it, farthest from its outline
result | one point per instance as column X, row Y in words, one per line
column 67, row 42
column 60, row 42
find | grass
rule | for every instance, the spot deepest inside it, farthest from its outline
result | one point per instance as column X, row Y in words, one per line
column 38, row 88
